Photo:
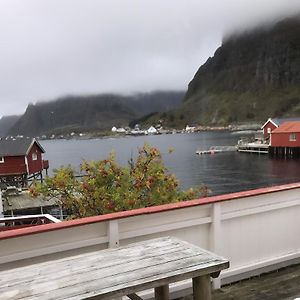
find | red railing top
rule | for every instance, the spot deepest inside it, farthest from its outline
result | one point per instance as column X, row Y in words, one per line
column 143, row 211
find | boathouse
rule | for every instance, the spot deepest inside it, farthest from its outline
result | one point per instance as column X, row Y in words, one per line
column 273, row 123
column 269, row 126
column 285, row 140
column 20, row 161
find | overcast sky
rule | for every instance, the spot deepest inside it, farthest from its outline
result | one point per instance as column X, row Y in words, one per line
column 50, row 48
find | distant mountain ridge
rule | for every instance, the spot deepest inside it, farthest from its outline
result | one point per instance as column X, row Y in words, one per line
column 6, row 122
column 252, row 76
column 91, row 113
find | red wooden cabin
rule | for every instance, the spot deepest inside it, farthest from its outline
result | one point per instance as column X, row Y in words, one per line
column 268, row 127
column 21, row 158
column 286, row 135
column 285, row 140
column 273, row 123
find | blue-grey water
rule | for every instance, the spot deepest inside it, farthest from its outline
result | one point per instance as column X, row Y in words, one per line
column 222, row 172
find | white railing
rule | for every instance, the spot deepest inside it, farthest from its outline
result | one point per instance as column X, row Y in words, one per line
column 256, row 230
column 48, row 218
column 16, row 222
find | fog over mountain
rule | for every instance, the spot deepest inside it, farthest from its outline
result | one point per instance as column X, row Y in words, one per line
column 254, row 75
column 88, row 113
column 52, row 48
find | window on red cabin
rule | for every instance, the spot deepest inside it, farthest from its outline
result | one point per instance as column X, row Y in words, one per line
column 292, row 137
column 1, row 160
column 34, row 156
column 269, row 130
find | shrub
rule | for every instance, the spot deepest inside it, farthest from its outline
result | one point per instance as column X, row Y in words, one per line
column 108, row 187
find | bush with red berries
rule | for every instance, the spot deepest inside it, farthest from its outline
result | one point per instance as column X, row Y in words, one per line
column 107, row 187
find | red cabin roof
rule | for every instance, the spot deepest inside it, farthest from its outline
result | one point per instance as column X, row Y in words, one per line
column 288, row 127
column 279, row 121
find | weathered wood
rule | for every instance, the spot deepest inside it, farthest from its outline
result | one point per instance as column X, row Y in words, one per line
column 215, row 275
column 134, row 297
column 202, row 287
column 110, row 273
column 162, row 292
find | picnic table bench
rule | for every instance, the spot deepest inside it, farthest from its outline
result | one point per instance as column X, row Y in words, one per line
column 117, row 272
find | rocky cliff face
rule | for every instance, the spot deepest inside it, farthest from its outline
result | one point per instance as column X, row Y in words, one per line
column 252, row 76
column 255, row 60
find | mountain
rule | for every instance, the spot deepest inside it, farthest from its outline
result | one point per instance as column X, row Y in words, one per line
column 6, row 122
column 252, row 76
column 90, row 113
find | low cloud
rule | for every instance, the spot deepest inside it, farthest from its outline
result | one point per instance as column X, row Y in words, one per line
column 54, row 47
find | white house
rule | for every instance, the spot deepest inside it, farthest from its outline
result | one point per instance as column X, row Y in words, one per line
column 189, row 129
column 121, row 130
column 152, row 130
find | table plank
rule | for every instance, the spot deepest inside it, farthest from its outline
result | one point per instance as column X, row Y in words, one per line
column 88, row 263
column 112, row 272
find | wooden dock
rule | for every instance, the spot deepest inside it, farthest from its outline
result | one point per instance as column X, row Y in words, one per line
column 285, row 152
column 258, row 148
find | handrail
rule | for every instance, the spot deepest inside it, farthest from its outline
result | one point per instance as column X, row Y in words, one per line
column 13, row 223
column 144, row 211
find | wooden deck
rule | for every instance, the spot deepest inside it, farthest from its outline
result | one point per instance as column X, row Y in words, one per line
column 283, row 284
column 253, row 148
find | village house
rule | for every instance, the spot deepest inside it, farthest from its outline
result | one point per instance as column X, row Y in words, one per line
column 21, row 160
column 285, row 140
column 152, row 130
column 189, row 128
column 273, row 123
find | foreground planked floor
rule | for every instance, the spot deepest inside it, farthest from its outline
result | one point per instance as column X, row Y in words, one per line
column 283, row 284
column 110, row 273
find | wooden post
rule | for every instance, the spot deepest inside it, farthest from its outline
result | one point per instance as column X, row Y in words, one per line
column 61, row 214
column 202, row 288
column 216, row 236
column 162, row 292
column 113, row 234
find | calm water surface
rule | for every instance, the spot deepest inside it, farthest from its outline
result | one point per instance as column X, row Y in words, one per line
column 222, row 173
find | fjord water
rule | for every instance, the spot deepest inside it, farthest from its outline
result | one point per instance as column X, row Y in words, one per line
column 222, row 172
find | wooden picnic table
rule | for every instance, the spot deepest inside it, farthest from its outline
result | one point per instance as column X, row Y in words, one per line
column 112, row 273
